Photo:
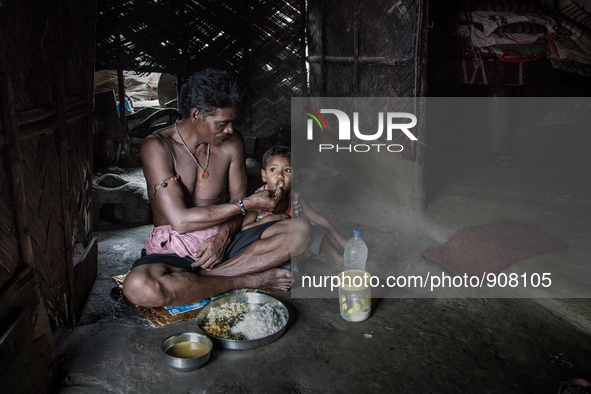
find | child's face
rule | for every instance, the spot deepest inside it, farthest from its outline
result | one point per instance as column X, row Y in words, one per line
column 278, row 173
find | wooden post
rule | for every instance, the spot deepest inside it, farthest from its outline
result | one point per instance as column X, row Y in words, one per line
column 182, row 63
column 419, row 60
column 323, row 49
column 499, row 120
column 304, row 30
column 122, row 114
column 246, row 45
column 356, row 49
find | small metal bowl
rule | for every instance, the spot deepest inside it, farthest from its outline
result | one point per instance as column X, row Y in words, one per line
column 186, row 364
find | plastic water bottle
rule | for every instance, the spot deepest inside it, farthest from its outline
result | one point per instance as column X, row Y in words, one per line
column 355, row 252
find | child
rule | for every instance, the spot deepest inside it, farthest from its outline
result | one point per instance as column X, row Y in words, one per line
column 278, row 174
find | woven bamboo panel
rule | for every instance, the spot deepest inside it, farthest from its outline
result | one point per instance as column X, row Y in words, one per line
column 9, row 251
column 79, row 74
column 31, row 48
column 29, row 361
column 79, row 183
column 41, row 177
column 385, row 29
column 77, row 46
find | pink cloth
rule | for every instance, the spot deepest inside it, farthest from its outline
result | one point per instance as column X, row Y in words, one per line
column 163, row 239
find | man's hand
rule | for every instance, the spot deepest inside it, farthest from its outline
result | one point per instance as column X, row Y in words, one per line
column 265, row 200
column 211, row 252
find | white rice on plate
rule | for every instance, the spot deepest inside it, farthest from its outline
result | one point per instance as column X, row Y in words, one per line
column 260, row 322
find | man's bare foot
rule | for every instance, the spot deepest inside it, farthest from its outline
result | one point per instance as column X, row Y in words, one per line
column 275, row 278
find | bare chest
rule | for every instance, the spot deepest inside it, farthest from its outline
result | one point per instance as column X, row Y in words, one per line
column 204, row 184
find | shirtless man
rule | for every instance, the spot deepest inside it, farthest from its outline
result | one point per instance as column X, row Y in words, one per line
column 196, row 176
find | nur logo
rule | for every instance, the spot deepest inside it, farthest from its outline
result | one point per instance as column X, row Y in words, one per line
column 392, row 124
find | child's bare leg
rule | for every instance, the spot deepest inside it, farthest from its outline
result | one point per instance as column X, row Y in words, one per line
column 328, row 247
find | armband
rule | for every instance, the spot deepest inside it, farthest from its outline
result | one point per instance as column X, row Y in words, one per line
column 165, row 183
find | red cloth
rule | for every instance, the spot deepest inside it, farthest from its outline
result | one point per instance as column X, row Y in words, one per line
column 491, row 248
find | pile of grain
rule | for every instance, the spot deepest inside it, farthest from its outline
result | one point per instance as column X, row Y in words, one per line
column 226, row 311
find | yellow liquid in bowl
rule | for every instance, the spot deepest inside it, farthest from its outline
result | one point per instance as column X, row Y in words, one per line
column 187, row 350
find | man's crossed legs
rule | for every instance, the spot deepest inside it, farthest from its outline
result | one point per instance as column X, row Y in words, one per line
column 159, row 284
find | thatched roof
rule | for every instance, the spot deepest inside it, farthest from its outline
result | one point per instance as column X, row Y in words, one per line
column 183, row 36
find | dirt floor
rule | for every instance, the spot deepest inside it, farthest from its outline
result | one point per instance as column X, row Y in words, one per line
column 408, row 345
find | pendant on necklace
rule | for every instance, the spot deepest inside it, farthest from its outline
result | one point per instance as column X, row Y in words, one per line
column 205, row 175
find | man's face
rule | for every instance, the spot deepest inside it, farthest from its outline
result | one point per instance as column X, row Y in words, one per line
column 217, row 127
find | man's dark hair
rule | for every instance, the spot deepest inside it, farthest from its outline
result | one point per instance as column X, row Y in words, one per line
column 208, row 90
column 282, row 151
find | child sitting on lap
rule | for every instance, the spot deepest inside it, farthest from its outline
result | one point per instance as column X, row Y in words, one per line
column 278, row 174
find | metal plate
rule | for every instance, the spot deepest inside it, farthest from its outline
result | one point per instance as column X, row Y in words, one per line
column 251, row 299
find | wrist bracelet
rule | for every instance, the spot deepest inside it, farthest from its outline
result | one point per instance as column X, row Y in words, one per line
column 242, row 207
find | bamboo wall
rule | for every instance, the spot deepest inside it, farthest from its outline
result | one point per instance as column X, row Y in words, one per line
column 46, row 76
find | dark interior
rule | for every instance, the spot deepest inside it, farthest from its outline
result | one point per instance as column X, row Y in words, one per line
column 502, row 136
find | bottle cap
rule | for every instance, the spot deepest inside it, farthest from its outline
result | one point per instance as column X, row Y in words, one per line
column 357, row 233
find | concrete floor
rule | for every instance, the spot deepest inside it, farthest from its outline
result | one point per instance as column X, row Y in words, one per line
column 409, row 345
